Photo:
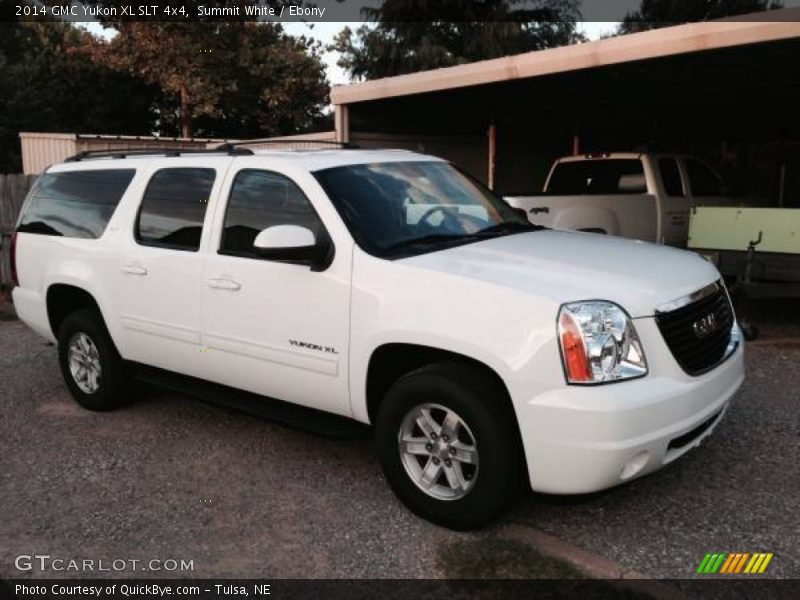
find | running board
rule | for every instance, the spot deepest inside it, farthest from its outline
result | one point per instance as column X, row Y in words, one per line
column 307, row 419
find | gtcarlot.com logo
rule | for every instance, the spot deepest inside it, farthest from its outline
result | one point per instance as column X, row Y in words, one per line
column 46, row 562
column 731, row 563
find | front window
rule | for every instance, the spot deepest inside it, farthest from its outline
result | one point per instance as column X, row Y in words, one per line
column 400, row 209
column 261, row 199
column 703, row 180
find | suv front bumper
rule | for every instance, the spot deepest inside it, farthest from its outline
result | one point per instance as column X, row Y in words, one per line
column 582, row 439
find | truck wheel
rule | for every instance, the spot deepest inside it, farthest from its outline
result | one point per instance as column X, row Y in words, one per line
column 92, row 368
column 448, row 445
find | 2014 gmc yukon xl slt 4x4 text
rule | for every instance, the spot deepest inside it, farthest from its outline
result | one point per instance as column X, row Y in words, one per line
column 393, row 289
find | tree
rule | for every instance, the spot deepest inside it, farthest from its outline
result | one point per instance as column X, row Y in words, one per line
column 653, row 14
column 47, row 85
column 416, row 35
column 226, row 78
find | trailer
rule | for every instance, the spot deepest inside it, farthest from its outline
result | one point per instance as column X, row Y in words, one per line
column 757, row 250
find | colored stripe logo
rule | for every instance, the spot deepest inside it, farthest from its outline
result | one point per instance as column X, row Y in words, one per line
column 735, row 562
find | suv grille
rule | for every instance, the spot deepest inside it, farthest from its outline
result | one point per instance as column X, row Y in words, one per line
column 698, row 333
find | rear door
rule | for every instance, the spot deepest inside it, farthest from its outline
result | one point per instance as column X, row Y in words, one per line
column 275, row 328
column 161, row 265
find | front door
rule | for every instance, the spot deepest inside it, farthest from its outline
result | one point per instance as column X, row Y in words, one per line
column 274, row 328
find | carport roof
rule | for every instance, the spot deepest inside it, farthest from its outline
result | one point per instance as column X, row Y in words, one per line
column 681, row 39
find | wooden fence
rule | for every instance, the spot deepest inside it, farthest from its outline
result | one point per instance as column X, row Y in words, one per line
column 13, row 189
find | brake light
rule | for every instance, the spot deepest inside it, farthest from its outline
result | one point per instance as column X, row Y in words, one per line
column 12, row 252
column 575, row 360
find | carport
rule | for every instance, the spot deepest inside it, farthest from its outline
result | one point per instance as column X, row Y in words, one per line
column 727, row 91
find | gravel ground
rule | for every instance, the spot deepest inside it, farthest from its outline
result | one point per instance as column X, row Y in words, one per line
column 171, row 478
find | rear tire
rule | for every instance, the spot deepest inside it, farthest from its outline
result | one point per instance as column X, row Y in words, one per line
column 92, row 368
column 448, row 444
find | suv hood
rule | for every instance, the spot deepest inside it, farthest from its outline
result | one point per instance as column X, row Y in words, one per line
column 570, row 266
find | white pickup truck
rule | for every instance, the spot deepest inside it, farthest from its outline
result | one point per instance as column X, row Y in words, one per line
column 633, row 195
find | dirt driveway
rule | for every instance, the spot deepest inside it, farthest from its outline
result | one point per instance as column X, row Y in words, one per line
column 171, row 478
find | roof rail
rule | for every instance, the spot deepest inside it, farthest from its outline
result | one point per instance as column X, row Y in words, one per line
column 304, row 144
column 125, row 152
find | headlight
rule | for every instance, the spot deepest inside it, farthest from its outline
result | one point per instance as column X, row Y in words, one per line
column 599, row 343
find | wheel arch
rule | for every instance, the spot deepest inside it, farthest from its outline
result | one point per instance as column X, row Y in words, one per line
column 391, row 361
column 62, row 299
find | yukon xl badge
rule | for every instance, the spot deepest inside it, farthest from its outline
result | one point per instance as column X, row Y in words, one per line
column 310, row 346
column 705, row 326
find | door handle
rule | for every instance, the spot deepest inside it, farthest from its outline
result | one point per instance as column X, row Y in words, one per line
column 133, row 269
column 225, row 284
column 539, row 209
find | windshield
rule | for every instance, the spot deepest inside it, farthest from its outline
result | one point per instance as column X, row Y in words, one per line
column 399, row 209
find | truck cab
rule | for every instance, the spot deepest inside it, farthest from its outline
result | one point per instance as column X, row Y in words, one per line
column 644, row 196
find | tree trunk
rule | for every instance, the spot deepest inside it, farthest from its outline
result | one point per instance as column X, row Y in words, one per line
column 186, row 120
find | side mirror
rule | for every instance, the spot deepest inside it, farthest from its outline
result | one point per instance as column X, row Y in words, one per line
column 295, row 244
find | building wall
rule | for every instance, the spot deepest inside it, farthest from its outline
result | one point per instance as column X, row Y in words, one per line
column 40, row 150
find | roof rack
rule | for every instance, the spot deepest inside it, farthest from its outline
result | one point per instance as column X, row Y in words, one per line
column 125, row 153
column 304, row 144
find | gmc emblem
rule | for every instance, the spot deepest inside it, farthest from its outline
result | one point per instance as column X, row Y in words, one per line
column 705, row 326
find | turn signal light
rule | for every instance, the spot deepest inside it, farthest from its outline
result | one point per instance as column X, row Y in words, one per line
column 575, row 361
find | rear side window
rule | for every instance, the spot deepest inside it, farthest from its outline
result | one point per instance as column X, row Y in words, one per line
column 671, row 176
column 75, row 204
column 261, row 199
column 173, row 208
column 597, row 177
column 703, row 180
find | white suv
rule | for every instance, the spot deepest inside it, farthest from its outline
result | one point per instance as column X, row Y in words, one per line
column 390, row 288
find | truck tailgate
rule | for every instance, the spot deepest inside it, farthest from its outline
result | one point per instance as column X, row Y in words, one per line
column 629, row 215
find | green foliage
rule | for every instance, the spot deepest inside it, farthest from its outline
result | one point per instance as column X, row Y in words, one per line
column 47, row 85
column 413, row 35
column 653, row 14
column 224, row 79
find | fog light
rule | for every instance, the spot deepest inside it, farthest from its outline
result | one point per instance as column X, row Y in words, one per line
column 634, row 465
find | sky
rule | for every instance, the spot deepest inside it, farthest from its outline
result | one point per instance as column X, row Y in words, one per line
column 325, row 32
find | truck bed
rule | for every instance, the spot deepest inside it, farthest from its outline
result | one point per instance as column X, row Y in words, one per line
column 733, row 228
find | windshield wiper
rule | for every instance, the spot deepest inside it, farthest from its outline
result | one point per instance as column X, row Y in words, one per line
column 439, row 239
column 508, row 227
column 433, row 239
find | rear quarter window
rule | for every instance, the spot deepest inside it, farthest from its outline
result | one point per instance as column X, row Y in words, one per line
column 598, row 177
column 75, row 204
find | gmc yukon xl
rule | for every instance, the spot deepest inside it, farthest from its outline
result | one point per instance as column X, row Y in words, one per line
column 390, row 288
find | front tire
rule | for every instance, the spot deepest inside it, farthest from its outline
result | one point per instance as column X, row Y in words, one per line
column 448, row 445
column 92, row 368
